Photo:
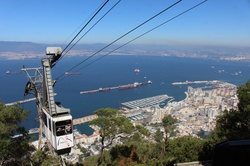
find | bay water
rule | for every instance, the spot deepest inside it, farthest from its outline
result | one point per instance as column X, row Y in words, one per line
column 114, row 71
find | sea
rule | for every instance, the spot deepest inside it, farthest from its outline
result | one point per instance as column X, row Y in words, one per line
column 113, row 71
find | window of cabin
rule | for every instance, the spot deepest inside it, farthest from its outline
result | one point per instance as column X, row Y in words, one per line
column 63, row 127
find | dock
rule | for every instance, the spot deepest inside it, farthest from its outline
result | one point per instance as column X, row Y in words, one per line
column 23, row 101
column 84, row 119
column 20, row 102
column 146, row 102
column 195, row 82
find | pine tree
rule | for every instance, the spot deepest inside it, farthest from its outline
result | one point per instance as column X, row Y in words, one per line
column 13, row 148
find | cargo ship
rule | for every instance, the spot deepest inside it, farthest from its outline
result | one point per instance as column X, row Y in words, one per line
column 137, row 70
column 13, row 72
column 146, row 83
column 134, row 85
column 121, row 87
column 103, row 89
column 72, row 73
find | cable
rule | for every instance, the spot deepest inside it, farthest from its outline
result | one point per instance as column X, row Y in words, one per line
column 93, row 26
column 145, row 33
column 79, row 27
column 122, row 37
column 85, row 25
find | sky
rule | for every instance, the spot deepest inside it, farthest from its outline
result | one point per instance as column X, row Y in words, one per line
column 215, row 22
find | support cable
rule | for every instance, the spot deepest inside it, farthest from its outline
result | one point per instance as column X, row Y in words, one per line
column 122, row 37
column 79, row 27
column 85, row 25
column 144, row 33
column 92, row 26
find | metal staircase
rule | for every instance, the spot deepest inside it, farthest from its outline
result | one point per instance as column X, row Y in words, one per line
column 48, row 100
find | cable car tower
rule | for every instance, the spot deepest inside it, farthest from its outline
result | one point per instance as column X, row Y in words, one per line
column 55, row 120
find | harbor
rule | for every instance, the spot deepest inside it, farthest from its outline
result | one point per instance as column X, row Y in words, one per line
column 121, row 87
column 146, row 102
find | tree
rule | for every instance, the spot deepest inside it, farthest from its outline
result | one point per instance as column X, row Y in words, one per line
column 243, row 93
column 235, row 124
column 112, row 125
column 169, row 124
column 142, row 130
column 137, row 153
column 13, row 149
column 185, row 149
column 158, row 135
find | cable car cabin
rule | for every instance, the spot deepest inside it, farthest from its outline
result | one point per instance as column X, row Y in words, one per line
column 58, row 129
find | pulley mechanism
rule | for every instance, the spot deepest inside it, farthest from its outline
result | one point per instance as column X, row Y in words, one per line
column 55, row 52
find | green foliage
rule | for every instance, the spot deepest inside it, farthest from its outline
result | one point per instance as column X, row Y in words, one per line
column 142, row 130
column 169, row 124
column 12, row 150
column 91, row 161
column 38, row 157
column 235, row 124
column 51, row 160
column 106, row 112
column 185, row 149
column 136, row 137
column 158, row 135
column 243, row 93
column 111, row 125
column 137, row 153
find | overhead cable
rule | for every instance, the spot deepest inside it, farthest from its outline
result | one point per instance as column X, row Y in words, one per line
column 93, row 26
column 85, row 25
column 145, row 33
column 122, row 36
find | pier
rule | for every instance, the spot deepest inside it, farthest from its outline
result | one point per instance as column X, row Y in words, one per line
column 20, row 102
column 31, row 131
column 34, row 130
column 23, row 101
column 84, row 119
column 121, row 87
column 195, row 82
column 146, row 102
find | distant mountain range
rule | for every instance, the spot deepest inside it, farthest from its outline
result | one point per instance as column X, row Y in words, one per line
column 9, row 46
column 23, row 50
column 13, row 46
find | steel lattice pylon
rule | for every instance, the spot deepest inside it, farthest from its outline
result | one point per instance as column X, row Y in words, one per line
column 34, row 85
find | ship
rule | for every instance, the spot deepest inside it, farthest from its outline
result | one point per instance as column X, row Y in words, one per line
column 146, row 83
column 13, row 72
column 103, row 89
column 72, row 73
column 129, row 86
column 137, row 70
